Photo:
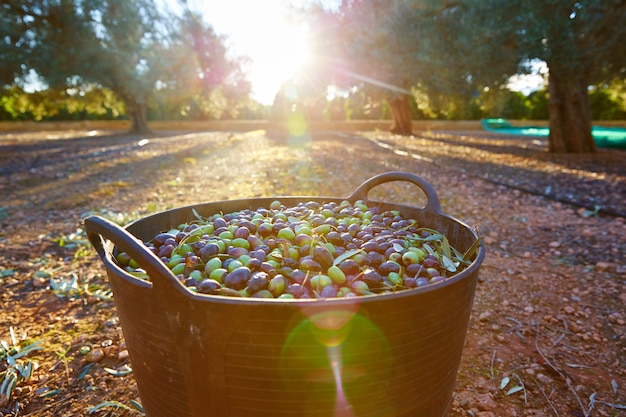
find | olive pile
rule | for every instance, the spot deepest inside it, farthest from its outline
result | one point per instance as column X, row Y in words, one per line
column 311, row 250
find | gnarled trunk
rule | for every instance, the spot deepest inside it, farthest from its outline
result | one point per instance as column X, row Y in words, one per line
column 570, row 116
column 137, row 113
column 401, row 115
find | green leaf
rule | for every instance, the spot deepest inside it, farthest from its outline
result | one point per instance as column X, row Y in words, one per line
column 125, row 370
column 6, row 273
column 514, row 390
column 448, row 263
column 108, row 404
column 346, row 255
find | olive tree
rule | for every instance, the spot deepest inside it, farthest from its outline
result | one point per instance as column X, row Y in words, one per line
column 132, row 48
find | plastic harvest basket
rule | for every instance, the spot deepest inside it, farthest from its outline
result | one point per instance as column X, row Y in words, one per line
column 196, row 355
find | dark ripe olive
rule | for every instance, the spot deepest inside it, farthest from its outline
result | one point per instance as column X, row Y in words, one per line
column 264, row 229
column 190, row 282
column 271, row 243
column 370, row 246
column 317, row 220
column 165, row 250
column 255, row 241
column 296, row 290
column 331, row 221
column 383, row 246
column 238, row 278
column 264, row 247
column 334, row 238
column 415, row 270
column 376, row 217
column 161, row 238
column 170, row 241
column 248, row 225
column 388, row 266
column 236, row 252
column 242, row 232
column 322, row 255
column 420, row 282
column 353, row 229
column 390, row 251
column 219, row 222
column 395, row 242
column 329, row 291
column 431, row 262
column 304, row 250
column 208, row 286
column 302, row 240
column 349, row 267
column 254, row 264
column 290, row 263
column 345, row 238
column 298, row 275
column 409, row 282
column 220, row 230
column 268, row 268
column 375, row 259
column 208, row 251
column 258, row 254
column 308, row 263
column 313, row 205
column 372, row 278
column 277, row 227
column 258, row 281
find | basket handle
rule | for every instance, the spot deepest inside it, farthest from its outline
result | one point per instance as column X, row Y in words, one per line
column 363, row 190
column 98, row 228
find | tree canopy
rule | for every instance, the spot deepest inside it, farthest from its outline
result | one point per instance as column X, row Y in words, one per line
column 132, row 48
column 454, row 49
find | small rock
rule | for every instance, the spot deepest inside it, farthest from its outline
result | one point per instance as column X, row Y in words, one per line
column 95, row 355
column 484, row 315
column 554, row 245
column 485, row 414
column 569, row 309
column 529, row 309
column 110, row 350
column 122, row 355
column 603, row 266
column 545, row 379
column 588, row 232
column 485, row 402
column 39, row 282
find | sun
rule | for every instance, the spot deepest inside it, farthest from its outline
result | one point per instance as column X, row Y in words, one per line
column 265, row 32
column 276, row 54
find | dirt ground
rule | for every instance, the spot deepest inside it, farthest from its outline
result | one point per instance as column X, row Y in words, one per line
column 547, row 335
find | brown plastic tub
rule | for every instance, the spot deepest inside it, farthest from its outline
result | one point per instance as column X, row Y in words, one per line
column 195, row 355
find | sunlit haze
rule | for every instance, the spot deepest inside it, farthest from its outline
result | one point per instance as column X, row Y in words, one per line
column 261, row 31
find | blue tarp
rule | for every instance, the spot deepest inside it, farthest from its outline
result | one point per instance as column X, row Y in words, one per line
column 605, row 137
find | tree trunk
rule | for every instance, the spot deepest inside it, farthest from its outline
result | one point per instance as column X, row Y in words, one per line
column 401, row 115
column 138, row 118
column 570, row 116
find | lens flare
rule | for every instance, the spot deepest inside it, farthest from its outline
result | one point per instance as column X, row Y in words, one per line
column 336, row 355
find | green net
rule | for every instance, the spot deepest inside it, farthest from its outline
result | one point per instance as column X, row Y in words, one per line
column 605, row 137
